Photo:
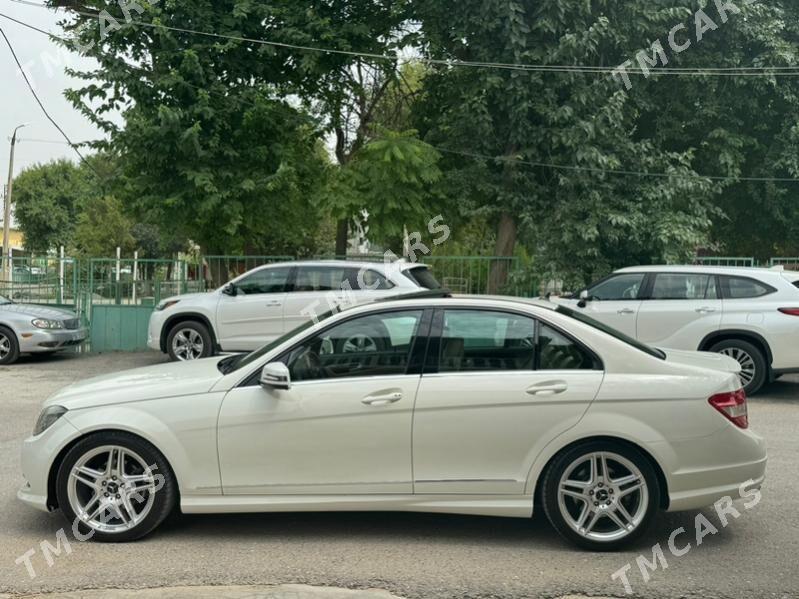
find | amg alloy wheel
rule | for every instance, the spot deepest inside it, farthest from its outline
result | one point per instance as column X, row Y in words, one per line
column 600, row 495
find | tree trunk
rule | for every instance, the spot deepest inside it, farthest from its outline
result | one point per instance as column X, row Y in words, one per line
column 506, row 243
column 342, row 238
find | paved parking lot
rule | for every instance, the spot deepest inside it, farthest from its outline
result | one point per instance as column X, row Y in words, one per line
column 408, row 555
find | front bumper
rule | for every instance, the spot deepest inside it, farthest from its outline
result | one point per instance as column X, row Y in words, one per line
column 34, row 341
column 154, row 329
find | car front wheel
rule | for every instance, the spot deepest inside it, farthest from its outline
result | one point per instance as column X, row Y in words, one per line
column 9, row 348
column 754, row 369
column 115, row 487
column 600, row 495
column 189, row 341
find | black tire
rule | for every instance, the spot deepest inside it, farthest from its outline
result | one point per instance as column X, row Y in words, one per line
column 165, row 498
column 559, row 466
column 758, row 359
column 11, row 338
column 200, row 329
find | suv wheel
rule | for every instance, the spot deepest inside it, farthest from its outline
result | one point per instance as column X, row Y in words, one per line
column 189, row 340
column 9, row 348
column 754, row 369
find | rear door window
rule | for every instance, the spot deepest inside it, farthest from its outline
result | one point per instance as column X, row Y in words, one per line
column 684, row 287
column 321, row 278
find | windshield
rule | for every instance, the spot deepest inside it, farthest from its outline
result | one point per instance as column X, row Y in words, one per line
column 234, row 363
column 652, row 351
column 4, row 300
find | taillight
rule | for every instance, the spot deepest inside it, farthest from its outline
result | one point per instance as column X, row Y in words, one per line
column 732, row 406
column 790, row 311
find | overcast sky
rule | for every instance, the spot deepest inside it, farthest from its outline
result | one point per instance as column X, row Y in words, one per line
column 44, row 62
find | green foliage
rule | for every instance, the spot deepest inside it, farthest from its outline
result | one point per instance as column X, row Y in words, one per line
column 103, row 227
column 46, row 198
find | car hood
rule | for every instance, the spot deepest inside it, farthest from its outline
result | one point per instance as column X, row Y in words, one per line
column 186, row 297
column 702, row 359
column 38, row 311
column 142, row 384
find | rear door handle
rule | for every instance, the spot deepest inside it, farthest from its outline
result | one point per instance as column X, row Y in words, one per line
column 548, row 388
column 382, row 400
column 274, row 303
column 705, row 310
column 626, row 311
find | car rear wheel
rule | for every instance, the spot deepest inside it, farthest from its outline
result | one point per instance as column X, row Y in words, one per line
column 9, row 347
column 600, row 495
column 115, row 487
column 754, row 369
column 189, row 341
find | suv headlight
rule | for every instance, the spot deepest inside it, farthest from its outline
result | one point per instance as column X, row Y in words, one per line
column 46, row 323
column 166, row 304
column 48, row 418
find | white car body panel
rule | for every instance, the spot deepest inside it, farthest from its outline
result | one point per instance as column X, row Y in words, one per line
column 463, row 444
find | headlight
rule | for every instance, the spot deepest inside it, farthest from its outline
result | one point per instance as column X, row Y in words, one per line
column 48, row 418
column 44, row 323
column 166, row 304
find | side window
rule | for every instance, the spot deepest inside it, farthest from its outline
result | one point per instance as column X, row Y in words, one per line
column 373, row 345
column 367, row 279
column 618, row 287
column 744, row 287
column 684, row 287
column 558, row 352
column 266, row 280
column 320, row 278
column 479, row 341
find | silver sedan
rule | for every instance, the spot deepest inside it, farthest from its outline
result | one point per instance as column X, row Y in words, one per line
column 28, row 329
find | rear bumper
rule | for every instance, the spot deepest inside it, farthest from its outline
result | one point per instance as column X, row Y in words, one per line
column 40, row 340
column 716, row 466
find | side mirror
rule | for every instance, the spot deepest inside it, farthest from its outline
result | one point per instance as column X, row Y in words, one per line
column 276, row 376
column 230, row 289
column 584, row 298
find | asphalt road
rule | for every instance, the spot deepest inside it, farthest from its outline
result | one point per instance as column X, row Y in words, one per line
column 409, row 555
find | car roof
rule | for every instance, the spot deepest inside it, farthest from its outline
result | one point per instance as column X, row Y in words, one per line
column 694, row 268
column 376, row 264
column 443, row 297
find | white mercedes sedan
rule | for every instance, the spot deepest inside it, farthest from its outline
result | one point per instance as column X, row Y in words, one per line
column 465, row 405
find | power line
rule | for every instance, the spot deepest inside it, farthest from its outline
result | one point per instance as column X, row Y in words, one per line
column 540, row 68
column 44, row 110
column 553, row 166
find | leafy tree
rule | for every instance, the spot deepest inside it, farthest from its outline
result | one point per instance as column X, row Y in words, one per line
column 103, row 227
column 46, row 198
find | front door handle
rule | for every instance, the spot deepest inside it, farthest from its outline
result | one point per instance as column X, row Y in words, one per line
column 382, row 400
column 275, row 303
column 548, row 388
column 705, row 310
column 626, row 311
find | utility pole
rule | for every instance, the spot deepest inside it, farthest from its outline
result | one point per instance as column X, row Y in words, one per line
column 7, row 213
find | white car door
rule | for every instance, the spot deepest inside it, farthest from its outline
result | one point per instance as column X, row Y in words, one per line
column 615, row 301
column 680, row 311
column 254, row 315
column 344, row 426
column 499, row 391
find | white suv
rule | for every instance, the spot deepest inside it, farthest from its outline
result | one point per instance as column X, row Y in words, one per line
column 750, row 314
column 264, row 303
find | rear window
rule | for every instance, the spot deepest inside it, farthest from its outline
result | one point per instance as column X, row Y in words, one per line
column 744, row 288
column 422, row 277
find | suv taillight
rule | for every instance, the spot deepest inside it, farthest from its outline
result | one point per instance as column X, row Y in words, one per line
column 732, row 406
column 790, row 311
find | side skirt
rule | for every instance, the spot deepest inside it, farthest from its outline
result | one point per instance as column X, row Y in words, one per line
column 513, row 506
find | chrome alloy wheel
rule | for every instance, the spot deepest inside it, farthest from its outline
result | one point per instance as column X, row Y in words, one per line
column 359, row 343
column 748, row 368
column 111, row 489
column 5, row 346
column 603, row 496
column 187, row 344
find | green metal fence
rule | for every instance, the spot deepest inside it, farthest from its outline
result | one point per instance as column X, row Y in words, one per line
column 42, row 280
column 726, row 261
column 787, row 263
